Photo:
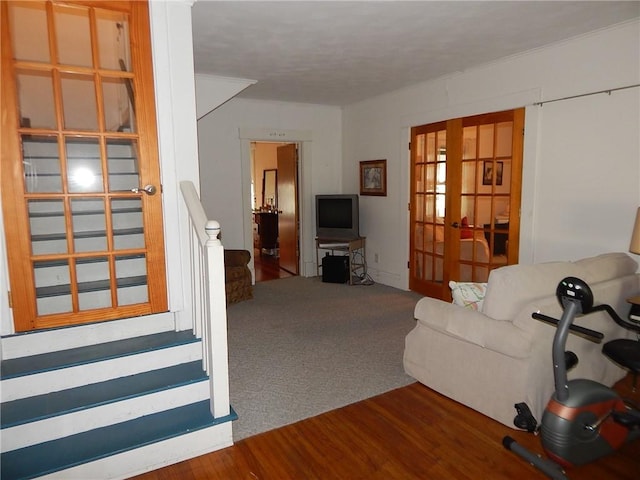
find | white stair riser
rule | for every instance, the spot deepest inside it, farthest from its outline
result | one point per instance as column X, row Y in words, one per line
column 153, row 456
column 87, row 419
column 62, row 379
column 17, row 346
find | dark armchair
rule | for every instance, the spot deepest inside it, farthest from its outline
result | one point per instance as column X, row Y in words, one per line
column 237, row 276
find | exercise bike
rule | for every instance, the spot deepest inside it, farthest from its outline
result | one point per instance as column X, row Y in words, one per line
column 584, row 420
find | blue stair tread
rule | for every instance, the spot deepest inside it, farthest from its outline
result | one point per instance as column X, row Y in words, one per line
column 18, row 412
column 56, row 455
column 76, row 356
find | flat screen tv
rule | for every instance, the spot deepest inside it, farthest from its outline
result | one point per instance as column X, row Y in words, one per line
column 337, row 217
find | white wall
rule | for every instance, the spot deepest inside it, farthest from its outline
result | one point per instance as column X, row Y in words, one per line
column 581, row 181
column 221, row 161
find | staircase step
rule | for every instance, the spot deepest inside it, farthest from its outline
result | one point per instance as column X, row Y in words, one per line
column 67, row 452
column 19, row 412
column 45, row 362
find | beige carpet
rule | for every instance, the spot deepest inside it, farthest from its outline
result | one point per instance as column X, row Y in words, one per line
column 302, row 347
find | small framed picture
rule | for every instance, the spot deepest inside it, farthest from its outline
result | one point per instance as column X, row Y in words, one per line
column 373, row 177
column 488, row 173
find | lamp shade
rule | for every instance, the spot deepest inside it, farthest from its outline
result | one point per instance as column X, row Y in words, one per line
column 634, row 246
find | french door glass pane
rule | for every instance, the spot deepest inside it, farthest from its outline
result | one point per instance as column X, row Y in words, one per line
column 73, row 35
column 29, row 31
column 84, row 167
column 41, row 163
column 131, row 271
column 79, row 104
column 504, row 135
column 485, row 141
column 47, row 227
column 127, row 221
column 113, row 40
column 35, row 98
column 52, row 280
column 89, row 224
column 122, row 158
column 118, row 105
column 93, row 283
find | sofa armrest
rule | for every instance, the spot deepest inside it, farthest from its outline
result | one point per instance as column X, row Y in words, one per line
column 474, row 327
column 236, row 258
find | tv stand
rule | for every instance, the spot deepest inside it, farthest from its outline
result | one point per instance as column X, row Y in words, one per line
column 354, row 248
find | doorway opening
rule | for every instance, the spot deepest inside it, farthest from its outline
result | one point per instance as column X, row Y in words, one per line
column 274, row 210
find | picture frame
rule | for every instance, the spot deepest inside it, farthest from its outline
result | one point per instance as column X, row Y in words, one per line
column 488, row 173
column 373, row 177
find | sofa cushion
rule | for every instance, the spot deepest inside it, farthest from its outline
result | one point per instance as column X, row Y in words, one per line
column 606, row 267
column 511, row 287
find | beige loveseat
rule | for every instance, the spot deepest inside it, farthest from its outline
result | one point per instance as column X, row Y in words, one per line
column 492, row 359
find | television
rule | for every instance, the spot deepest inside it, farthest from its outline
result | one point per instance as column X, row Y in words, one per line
column 337, row 217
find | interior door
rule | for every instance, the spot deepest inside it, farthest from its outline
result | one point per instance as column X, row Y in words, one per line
column 288, row 207
column 466, row 188
column 81, row 190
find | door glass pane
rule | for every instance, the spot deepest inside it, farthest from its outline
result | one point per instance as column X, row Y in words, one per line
column 35, row 98
column 419, row 207
column 126, row 216
column 113, row 40
column 467, row 209
column 503, row 139
column 486, row 141
column 53, row 293
column 89, row 224
column 469, row 176
column 131, row 271
column 469, row 135
column 93, row 283
column 73, row 35
column 430, row 181
column 41, row 163
column 420, row 148
column 79, row 102
column 84, row 167
column 118, row 105
column 47, row 225
column 29, row 31
column 122, row 158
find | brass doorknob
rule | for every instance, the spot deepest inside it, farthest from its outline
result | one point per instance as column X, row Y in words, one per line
column 148, row 189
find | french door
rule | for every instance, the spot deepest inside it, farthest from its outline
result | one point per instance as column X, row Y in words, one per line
column 81, row 191
column 465, row 199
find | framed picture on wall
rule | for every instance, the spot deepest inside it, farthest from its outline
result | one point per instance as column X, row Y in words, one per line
column 488, row 173
column 373, row 177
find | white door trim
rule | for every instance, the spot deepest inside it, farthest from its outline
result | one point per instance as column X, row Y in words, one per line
column 305, row 200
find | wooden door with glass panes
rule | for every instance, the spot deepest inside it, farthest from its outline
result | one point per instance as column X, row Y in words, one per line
column 465, row 207
column 81, row 192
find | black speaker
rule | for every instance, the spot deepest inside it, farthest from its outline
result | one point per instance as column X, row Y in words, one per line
column 335, row 268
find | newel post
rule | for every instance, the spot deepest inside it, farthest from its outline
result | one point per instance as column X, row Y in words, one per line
column 216, row 323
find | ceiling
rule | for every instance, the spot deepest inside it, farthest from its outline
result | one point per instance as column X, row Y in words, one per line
column 341, row 52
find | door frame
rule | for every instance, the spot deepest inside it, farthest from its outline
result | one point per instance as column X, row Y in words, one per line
column 305, row 205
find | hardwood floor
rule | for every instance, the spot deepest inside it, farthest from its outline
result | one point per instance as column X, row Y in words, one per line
column 267, row 267
column 409, row 433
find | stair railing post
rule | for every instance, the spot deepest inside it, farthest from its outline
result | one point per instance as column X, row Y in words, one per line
column 216, row 324
column 208, row 298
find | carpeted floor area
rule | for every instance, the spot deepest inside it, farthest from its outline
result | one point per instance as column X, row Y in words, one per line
column 302, row 347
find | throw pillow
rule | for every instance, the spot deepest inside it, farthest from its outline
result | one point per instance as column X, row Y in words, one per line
column 468, row 294
column 465, row 231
